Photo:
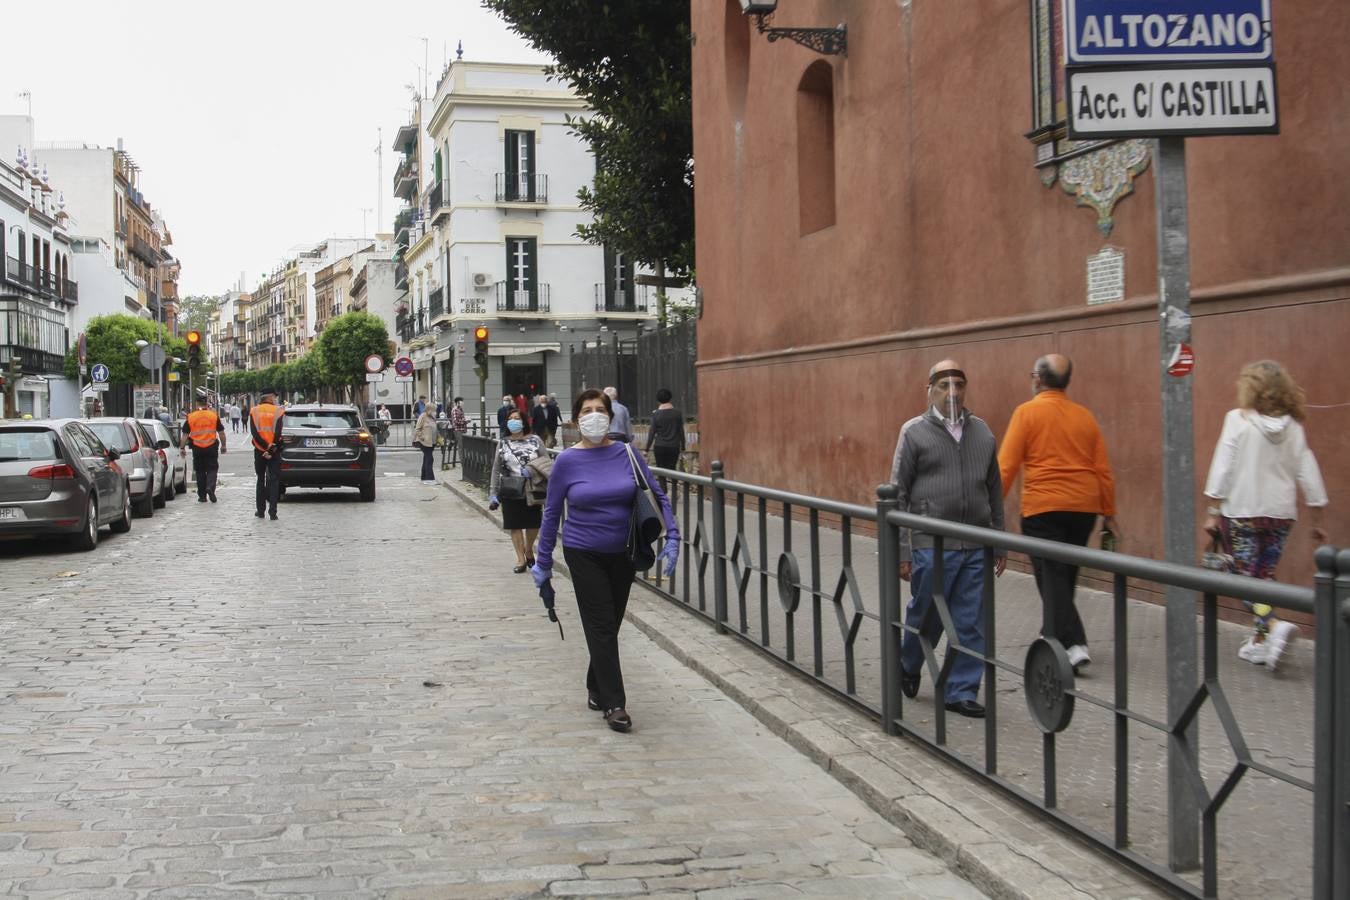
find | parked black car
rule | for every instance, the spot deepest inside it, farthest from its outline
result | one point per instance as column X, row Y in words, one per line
column 57, row 477
column 327, row 445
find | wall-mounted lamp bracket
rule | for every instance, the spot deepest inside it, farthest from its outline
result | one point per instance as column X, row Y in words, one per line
column 828, row 41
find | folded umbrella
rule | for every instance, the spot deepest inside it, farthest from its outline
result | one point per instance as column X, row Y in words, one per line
column 547, row 594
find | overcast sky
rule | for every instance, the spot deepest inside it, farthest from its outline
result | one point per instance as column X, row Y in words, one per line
column 254, row 123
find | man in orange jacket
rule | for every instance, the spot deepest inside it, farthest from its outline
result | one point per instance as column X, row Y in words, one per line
column 264, row 425
column 1068, row 483
column 204, row 431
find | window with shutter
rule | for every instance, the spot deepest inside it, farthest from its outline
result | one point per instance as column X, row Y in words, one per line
column 519, row 180
column 522, row 281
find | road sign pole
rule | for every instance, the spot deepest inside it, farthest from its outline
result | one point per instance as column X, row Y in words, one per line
column 1178, row 464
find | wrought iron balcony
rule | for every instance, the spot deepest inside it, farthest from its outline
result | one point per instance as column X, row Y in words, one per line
column 631, row 300
column 471, row 305
column 405, row 178
column 521, row 187
column 436, row 301
column 509, row 299
column 401, row 275
column 123, row 227
column 141, row 248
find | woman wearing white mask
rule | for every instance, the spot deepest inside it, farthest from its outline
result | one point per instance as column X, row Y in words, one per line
column 514, row 453
column 595, row 480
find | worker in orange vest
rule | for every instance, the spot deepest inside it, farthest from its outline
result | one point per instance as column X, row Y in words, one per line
column 206, row 433
column 264, row 423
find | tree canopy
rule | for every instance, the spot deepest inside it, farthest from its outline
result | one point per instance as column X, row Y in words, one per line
column 630, row 61
column 112, row 341
column 345, row 343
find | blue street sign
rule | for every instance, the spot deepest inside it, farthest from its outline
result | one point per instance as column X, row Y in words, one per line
column 1149, row 32
column 99, row 373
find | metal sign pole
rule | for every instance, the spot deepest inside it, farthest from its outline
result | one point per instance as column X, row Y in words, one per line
column 1178, row 465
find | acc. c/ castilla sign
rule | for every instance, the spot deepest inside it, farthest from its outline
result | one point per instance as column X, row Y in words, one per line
column 1148, row 32
column 1134, row 102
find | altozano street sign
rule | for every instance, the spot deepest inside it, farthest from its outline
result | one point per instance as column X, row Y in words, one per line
column 1154, row 68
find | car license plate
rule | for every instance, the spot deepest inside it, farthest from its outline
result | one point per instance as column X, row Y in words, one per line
column 320, row 442
column 11, row 512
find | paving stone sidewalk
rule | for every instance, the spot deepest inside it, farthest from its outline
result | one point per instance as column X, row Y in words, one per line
column 361, row 700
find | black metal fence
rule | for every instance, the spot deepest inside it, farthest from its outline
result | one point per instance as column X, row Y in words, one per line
column 779, row 571
column 638, row 367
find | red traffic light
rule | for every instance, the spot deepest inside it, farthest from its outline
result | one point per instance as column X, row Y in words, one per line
column 480, row 333
column 194, row 337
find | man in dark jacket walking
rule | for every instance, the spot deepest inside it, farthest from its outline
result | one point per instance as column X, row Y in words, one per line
column 946, row 467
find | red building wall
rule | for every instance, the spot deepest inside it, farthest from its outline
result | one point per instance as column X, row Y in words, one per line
column 814, row 348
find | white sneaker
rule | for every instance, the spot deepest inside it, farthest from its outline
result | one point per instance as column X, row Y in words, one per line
column 1078, row 656
column 431, row 482
column 1278, row 641
column 1252, row 652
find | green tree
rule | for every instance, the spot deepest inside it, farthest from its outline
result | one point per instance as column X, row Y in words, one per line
column 194, row 313
column 631, row 63
column 345, row 343
column 112, row 342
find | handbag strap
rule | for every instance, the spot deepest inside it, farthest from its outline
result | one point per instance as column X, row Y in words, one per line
column 637, row 476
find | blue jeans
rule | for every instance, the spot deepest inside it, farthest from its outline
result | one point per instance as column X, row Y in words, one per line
column 963, row 580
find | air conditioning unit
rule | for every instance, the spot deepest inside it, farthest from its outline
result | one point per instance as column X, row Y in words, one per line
column 481, row 279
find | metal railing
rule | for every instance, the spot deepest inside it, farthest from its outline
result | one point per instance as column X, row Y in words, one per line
column 512, row 300
column 782, row 602
column 633, row 299
column 521, row 187
column 437, row 302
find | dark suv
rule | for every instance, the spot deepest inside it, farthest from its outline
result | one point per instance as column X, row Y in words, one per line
column 327, row 445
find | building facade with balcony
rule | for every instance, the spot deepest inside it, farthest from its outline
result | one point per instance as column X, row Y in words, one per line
column 493, row 241
column 37, row 293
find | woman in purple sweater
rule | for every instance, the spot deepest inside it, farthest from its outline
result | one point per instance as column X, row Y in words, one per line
column 595, row 481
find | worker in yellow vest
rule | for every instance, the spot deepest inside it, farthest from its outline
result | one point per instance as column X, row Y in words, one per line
column 264, row 423
column 205, row 433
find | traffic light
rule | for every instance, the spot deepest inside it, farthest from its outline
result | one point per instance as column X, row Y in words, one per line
column 480, row 351
column 194, row 342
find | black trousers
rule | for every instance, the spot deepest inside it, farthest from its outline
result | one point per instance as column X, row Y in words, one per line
column 1055, row 580
column 427, row 474
column 268, row 491
column 602, row 582
column 206, row 463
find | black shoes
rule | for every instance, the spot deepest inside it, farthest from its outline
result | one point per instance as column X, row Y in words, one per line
column 201, row 498
column 212, row 495
column 618, row 719
column 529, row 561
column 592, row 702
column 909, row 684
column 968, row 708
column 259, row 514
column 272, row 516
column 518, row 569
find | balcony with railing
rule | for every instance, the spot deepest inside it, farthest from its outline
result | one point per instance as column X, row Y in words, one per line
column 141, row 248
column 402, row 222
column 512, row 300
column 123, row 227
column 633, row 299
column 436, row 302
column 400, row 276
column 521, row 187
column 438, row 202
column 472, row 306
column 405, row 178
column 33, row 332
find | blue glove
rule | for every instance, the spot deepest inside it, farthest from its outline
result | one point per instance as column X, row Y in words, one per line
column 671, row 554
column 492, row 502
column 540, row 575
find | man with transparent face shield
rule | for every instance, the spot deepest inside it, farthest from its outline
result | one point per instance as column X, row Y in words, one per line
column 946, row 467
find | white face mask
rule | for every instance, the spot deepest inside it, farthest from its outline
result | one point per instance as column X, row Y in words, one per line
column 594, row 426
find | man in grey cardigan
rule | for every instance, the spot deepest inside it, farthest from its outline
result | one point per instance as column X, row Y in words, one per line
column 946, row 467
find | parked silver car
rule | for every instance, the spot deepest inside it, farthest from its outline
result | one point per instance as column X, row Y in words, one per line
column 176, row 464
column 139, row 458
column 57, row 477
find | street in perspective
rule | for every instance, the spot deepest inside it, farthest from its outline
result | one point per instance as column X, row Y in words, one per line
column 723, row 449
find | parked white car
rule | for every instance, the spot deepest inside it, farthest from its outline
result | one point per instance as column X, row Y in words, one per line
column 178, row 463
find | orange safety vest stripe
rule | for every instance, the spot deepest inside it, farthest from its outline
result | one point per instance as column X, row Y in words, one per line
column 264, row 417
column 202, row 427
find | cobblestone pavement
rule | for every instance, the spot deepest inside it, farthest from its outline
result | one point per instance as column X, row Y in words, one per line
column 361, row 700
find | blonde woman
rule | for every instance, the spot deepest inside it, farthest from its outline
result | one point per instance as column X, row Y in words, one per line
column 424, row 438
column 1261, row 461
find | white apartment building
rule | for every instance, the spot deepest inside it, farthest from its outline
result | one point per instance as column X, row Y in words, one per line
column 37, row 290
column 492, row 240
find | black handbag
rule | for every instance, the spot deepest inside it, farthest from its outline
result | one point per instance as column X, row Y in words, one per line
column 511, row 487
column 644, row 525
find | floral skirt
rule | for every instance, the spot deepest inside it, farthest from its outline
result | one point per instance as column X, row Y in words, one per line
column 1256, row 544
